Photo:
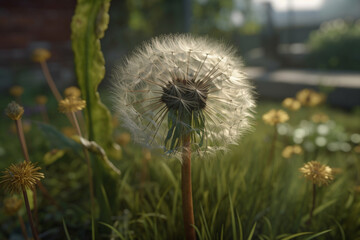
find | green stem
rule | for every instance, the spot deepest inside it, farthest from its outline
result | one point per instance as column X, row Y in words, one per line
column 187, row 202
column 21, row 136
column 273, row 143
column 31, row 221
column 313, row 203
column 87, row 158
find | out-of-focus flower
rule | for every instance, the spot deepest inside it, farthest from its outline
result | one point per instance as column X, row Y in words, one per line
column 310, row 98
column 123, row 139
column 40, row 55
column 12, row 205
column 69, row 131
column 72, row 92
column 317, row 173
column 320, row 118
column 290, row 150
column 14, row 111
column 146, row 154
column 274, row 117
column 291, row 104
column 41, row 100
column 181, row 85
column 20, row 176
column 16, row 91
column 71, row 104
column 357, row 149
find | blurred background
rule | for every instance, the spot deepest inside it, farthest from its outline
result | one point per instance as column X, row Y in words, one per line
column 286, row 44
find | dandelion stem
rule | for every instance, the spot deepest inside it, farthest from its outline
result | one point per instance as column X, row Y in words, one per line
column 188, row 212
column 87, row 157
column 272, row 148
column 27, row 205
column 313, row 203
column 21, row 136
column 23, row 228
column 50, row 81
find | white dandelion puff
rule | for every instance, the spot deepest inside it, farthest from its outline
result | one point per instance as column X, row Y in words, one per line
column 181, row 85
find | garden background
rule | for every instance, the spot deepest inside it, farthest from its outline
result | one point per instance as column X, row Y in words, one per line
column 287, row 46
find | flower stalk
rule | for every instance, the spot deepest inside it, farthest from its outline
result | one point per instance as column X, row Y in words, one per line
column 87, row 158
column 50, row 81
column 28, row 211
column 186, row 188
column 313, row 202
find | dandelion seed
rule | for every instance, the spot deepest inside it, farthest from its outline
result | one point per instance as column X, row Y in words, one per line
column 71, row 105
column 21, row 176
column 40, row 55
column 14, row 111
column 291, row 104
column 317, row 173
column 178, row 85
column 274, row 117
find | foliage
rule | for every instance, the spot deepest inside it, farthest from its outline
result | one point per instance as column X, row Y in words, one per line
column 336, row 45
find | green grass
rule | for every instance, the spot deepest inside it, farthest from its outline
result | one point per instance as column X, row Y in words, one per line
column 236, row 195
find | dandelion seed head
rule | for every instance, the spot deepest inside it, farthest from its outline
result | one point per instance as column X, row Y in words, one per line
column 317, row 173
column 20, row 176
column 177, row 85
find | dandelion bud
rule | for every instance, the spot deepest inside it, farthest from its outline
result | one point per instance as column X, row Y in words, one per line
column 40, row 55
column 177, row 86
column 14, row 111
column 318, row 173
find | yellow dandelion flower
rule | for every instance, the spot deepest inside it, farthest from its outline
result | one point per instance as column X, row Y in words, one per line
column 320, row 118
column 72, row 92
column 20, row 176
column 71, row 104
column 318, row 173
column 14, row 111
column 41, row 99
column 12, row 205
column 291, row 104
column 291, row 150
column 16, row 91
column 146, row 154
column 123, row 139
column 310, row 98
column 274, row 117
column 40, row 55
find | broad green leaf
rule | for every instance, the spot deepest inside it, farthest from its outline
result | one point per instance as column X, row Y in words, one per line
column 88, row 27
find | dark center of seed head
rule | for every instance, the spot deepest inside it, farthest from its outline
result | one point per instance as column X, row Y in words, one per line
column 185, row 95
